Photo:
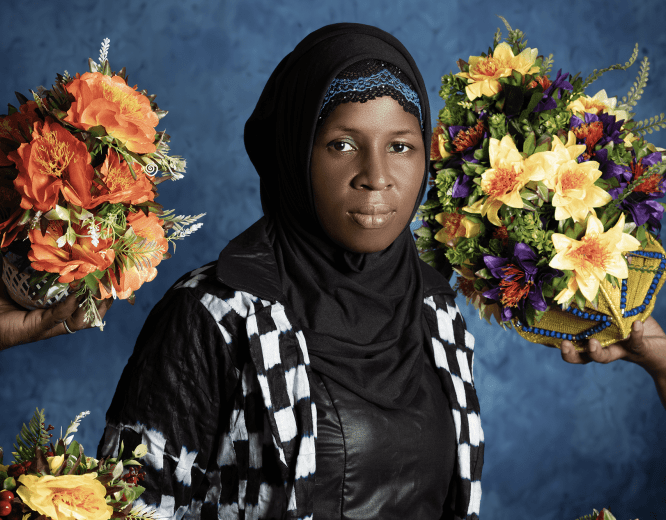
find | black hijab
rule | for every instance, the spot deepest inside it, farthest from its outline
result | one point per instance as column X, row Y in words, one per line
column 361, row 313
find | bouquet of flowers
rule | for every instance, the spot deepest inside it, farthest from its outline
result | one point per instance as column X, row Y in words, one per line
column 79, row 169
column 59, row 482
column 544, row 198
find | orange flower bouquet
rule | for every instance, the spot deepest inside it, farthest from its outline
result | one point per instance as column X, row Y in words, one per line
column 79, row 169
column 57, row 481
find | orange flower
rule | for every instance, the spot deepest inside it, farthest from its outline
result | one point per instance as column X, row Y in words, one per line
column 119, row 185
column 148, row 227
column 71, row 262
column 17, row 127
column 54, row 162
column 108, row 101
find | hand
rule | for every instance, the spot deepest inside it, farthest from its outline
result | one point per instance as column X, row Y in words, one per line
column 20, row 326
column 645, row 346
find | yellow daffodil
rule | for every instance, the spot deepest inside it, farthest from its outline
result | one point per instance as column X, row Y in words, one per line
column 507, row 175
column 454, row 226
column 484, row 72
column 67, row 497
column 597, row 254
column 600, row 103
column 573, row 183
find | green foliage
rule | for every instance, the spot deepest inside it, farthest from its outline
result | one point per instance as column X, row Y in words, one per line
column 32, row 436
column 516, row 37
column 596, row 74
column 547, row 65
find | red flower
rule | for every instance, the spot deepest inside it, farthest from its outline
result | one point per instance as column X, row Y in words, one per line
column 54, row 162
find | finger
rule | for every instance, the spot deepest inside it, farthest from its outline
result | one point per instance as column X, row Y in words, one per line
column 62, row 310
column 570, row 355
column 104, row 306
column 595, row 352
column 636, row 344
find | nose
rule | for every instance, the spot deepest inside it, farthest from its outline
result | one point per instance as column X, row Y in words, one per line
column 373, row 172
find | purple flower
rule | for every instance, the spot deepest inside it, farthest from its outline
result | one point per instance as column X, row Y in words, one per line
column 518, row 282
column 641, row 203
column 462, row 187
column 547, row 102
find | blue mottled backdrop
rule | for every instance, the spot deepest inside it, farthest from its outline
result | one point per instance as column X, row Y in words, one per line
column 560, row 439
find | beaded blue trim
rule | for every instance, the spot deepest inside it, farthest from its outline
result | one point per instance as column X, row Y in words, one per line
column 383, row 77
column 653, row 286
column 603, row 322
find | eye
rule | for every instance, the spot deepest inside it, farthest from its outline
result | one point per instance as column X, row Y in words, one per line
column 341, row 146
column 399, row 148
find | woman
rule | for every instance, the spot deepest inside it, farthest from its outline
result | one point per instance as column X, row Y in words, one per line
column 318, row 367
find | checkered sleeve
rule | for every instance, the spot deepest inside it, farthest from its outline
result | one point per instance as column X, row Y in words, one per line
column 173, row 397
column 453, row 349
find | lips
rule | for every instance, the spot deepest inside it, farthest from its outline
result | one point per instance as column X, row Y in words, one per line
column 372, row 216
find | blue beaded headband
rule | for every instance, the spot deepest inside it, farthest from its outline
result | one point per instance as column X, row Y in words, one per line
column 382, row 78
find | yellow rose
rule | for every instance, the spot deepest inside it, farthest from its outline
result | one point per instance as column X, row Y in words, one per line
column 67, row 497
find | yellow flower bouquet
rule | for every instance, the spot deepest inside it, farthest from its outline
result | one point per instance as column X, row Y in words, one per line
column 79, row 168
column 544, row 198
column 58, row 481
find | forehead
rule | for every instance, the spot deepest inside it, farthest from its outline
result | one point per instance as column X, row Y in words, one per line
column 383, row 114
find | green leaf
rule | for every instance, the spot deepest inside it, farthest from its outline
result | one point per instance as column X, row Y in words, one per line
column 534, row 101
column 529, row 144
column 580, row 300
column 74, row 448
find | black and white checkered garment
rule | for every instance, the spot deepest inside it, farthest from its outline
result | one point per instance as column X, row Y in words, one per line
column 217, row 388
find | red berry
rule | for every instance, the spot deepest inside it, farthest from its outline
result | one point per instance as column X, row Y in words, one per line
column 5, row 508
column 6, row 496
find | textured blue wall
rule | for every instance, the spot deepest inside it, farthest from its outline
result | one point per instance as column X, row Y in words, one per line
column 560, row 439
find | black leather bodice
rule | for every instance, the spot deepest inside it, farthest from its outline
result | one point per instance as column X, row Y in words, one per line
column 374, row 463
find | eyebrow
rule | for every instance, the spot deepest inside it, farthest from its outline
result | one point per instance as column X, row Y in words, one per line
column 351, row 130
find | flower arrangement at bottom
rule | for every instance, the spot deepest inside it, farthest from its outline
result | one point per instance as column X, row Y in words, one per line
column 58, row 481
column 544, row 199
column 79, row 169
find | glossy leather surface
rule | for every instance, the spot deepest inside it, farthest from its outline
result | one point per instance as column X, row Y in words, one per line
column 382, row 464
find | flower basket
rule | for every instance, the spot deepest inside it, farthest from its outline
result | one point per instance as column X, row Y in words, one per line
column 79, row 168
column 20, row 290
column 544, row 198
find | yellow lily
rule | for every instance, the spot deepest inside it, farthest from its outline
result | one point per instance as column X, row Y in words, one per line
column 573, row 183
column 507, row 175
column 597, row 254
column 484, row 72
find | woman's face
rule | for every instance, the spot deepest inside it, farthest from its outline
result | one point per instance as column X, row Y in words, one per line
column 367, row 165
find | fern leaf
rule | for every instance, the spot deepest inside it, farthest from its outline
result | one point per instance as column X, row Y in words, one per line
column 636, row 91
column 32, row 435
column 655, row 123
column 596, row 74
